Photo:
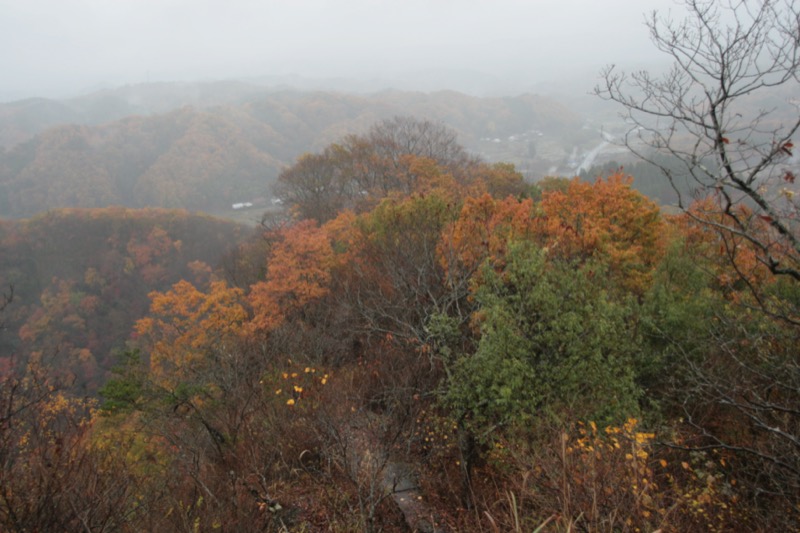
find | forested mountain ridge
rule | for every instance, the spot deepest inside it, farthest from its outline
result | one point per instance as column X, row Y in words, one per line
column 22, row 119
column 209, row 158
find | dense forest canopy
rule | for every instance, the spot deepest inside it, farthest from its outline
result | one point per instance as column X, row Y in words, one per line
column 490, row 336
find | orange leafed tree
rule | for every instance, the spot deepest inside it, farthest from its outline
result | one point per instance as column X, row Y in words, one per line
column 605, row 220
column 483, row 230
column 184, row 324
column 298, row 272
column 423, row 175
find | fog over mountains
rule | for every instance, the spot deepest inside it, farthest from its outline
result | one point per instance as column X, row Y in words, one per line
column 63, row 49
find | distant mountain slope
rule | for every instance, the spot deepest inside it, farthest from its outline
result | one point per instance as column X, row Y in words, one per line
column 20, row 120
column 209, row 158
column 185, row 158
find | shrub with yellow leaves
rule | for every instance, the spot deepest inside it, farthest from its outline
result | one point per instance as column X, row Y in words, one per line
column 607, row 479
column 617, row 479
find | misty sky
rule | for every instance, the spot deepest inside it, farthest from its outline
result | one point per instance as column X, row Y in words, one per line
column 61, row 47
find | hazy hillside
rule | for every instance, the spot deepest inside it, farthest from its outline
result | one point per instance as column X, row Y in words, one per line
column 207, row 158
column 20, row 120
column 81, row 278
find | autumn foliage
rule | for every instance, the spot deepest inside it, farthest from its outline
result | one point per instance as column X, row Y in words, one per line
column 506, row 361
column 298, row 272
column 607, row 220
column 184, row 324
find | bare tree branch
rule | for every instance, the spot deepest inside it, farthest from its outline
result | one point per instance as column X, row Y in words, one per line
column 726, row 55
